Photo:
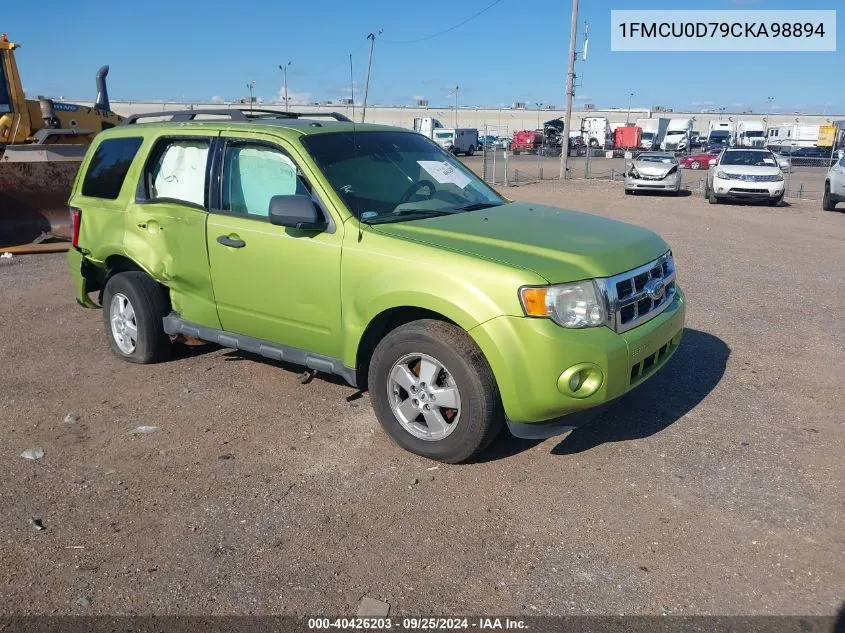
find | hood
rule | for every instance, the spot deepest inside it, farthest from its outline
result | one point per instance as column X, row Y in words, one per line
column 750, row 170
column 557, row 244
column 653, row 169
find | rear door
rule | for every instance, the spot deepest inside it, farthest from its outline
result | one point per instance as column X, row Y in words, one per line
column 837, row 181
column 165, row 223
column 271, row 282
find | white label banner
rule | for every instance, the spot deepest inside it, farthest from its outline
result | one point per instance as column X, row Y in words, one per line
column 723, row 30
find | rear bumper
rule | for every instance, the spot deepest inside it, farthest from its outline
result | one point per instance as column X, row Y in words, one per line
column 80, row 275
column 528, row 357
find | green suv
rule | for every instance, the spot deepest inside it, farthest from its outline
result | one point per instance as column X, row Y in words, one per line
column 368, row 252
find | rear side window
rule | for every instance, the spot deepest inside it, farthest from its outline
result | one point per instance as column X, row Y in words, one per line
column 177, row 171
column 108, row 167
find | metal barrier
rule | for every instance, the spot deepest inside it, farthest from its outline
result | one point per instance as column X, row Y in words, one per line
column 804, row 174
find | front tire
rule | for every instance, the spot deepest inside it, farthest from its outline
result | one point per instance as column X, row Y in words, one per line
column 133, row 308
column 420, row 367
column 711, row 197
column 827, row 203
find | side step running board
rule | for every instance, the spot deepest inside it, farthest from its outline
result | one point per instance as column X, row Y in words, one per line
column 174, row 324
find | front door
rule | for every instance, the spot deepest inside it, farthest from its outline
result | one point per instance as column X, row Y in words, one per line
column 165, row 226
column 271, row 282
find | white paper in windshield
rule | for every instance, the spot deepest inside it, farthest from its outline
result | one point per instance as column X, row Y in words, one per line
column 768, row 161
column 444, row 173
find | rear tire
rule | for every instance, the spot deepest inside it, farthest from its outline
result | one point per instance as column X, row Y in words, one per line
column 695, row 165
column 471, row 150
column 827, row 203
column 403, row 355
column 135, row 304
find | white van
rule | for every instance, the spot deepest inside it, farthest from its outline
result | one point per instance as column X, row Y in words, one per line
column 457, row 140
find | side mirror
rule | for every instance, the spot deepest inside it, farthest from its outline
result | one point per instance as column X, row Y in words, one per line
column 711, row 162
column 298, row 212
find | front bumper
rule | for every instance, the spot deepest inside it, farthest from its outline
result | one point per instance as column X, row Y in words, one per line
column 747, row 189
column 528, row 357
column 670, row 183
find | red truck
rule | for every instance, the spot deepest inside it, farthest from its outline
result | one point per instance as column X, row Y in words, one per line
column 627, row 136
column 528, row 141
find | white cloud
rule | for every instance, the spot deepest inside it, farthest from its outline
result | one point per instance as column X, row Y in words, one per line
column 701, row 103
column 217, row 99
column 582, row 97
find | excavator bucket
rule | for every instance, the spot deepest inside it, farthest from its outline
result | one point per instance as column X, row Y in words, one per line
column 35, row 184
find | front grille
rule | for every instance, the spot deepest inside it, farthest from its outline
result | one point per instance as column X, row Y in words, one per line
column 753, row 178
column 640, row 294
column 647, row 366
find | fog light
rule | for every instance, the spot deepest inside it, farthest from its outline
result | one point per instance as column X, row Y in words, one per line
column 580, row 381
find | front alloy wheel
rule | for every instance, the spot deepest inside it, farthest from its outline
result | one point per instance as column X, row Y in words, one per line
column 424, row 397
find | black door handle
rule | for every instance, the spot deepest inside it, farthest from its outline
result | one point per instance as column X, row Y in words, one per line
column 225, row 240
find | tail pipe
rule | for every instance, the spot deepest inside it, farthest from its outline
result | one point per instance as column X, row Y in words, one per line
column 102, row 102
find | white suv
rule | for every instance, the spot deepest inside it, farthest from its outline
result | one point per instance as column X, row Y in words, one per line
column 745, row 174
column 834, row 186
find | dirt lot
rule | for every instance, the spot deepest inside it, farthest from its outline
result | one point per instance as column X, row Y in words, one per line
column 715, row 488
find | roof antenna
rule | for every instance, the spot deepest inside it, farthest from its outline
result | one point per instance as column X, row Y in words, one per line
column 357, row 210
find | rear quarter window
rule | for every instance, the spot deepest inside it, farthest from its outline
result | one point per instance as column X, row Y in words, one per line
column 108, row 167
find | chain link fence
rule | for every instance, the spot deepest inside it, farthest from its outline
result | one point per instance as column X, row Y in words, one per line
column 804, row 168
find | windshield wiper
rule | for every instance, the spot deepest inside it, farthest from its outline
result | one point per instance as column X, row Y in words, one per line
column 402, row 214
column 475, row 206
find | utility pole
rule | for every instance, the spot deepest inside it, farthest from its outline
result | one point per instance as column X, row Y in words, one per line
column 570, row 90
column 372, row 38
column 456, row 106
column 628, row 117
column 251, row 86
column 284, row 69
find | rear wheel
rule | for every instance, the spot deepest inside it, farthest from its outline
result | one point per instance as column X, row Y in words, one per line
column 433, row 391
column 471, row 150
column 133, row 308
column 827, row 203
column 695, row 164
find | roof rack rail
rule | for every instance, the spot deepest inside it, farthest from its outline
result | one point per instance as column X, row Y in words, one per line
column 235, row 114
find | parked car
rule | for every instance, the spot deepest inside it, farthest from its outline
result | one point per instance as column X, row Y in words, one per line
column 504, row 142
column 486, row 142
column 302, row 240
column 653, row 171
column 834, row 186
column 784, row 162
column 810, row 156
column 745, row 174
column 700, row 160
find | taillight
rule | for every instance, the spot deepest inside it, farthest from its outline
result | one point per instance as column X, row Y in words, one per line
column 76, row 218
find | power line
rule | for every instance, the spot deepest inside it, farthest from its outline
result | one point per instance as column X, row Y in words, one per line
column 444, row 31
column 335, row 67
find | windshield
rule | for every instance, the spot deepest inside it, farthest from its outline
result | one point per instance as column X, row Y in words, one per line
column 675, row 132
column 754, row 134
column 443, row 135
column 5, row 102
column 719, row 134
column 647, row 136
column 394, row 176
column 655, row 158
column 749, row 159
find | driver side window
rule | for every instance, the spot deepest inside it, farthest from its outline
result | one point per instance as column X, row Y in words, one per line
column 253, row 173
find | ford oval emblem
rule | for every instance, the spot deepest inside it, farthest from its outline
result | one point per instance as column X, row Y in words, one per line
column 655, row 289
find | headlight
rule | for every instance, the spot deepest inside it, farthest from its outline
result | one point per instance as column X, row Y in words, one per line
column 575, row 305
column 634, row 173
column 673, row 170
column 721, row 174
column 779, row 177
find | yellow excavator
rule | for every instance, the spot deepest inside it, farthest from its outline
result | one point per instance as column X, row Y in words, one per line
column 42, row 143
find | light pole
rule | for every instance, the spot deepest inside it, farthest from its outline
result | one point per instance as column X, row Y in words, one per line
column 628, row 116
column 456, row 106
column 771, row 100
column 251, row 87
column 284, row 69
column 539, row 105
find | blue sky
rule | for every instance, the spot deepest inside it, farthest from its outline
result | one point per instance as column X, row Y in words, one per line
column 515, row 51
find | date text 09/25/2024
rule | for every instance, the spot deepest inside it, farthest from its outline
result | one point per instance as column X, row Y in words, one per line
column 411, row 623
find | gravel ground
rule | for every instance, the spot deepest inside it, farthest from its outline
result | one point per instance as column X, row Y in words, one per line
column 716, row 488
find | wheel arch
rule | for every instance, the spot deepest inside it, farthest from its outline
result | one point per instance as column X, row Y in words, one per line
column 382, row 324
column 116, row 264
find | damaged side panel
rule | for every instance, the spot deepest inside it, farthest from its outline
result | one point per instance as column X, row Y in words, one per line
column 167, row 239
